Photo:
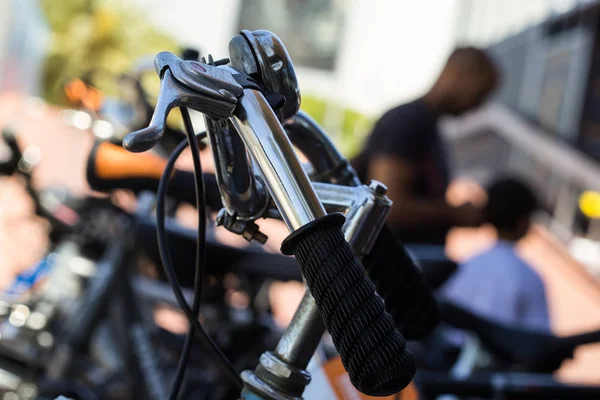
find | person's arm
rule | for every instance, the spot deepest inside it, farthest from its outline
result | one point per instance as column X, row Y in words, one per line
column 410, row 210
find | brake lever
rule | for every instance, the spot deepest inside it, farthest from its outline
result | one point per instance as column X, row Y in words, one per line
column 205, row 88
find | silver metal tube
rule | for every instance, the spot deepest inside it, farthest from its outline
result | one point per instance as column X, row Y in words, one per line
column 364, row 219
column 296, row 199
column 272, row 151
column 241, row 193
column 315, row 144
column 300, row 340
column 340, row 197
column 312, row 140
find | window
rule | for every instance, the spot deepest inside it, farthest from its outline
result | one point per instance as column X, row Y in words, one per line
column 310, row 29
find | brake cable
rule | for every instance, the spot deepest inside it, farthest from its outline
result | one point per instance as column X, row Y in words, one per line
column 191, row 314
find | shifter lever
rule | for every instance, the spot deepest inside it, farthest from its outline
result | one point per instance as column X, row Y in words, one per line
column 211, row 90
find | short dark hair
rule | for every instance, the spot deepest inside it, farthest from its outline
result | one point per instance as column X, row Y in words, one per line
column 510, row 200
column 473, row 57
column 476, row 61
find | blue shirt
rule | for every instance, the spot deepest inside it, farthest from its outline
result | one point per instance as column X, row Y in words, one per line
column 498, row 285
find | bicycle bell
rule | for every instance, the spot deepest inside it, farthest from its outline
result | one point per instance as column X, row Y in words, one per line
column 262, row 55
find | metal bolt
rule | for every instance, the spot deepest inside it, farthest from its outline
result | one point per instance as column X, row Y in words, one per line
column 221, row 217
column 378, row 187
column 226, row 93
column 19, row 315
column 260, row 237
column 270, row 364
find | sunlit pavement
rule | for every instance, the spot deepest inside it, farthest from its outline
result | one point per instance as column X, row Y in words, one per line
column 574, row 295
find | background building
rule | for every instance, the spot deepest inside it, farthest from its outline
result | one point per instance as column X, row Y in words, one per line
column 24, row 38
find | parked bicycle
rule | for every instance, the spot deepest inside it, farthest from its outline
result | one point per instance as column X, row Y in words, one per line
column 245, row 102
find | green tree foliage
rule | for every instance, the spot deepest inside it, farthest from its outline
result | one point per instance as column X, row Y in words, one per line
column 107, row 36
column 102, row 37
column 347, row 127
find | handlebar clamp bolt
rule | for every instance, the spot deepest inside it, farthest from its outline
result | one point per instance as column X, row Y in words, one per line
column 247, row 229
column 227, row 93
column 378, row 187
column 221, row 217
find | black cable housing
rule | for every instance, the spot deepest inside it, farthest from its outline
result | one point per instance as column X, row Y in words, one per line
column 191, row 313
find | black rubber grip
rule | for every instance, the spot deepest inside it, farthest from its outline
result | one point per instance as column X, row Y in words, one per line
column 372, row 350
column 400, row 283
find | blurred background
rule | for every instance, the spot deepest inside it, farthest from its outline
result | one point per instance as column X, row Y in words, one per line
column 354, row 59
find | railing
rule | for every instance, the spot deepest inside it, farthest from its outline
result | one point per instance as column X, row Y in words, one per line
column 495, row 140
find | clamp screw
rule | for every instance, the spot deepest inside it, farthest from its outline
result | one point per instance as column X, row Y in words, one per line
column 226, row 93
column 221, row 217
column 249, row 230
column 378, row 187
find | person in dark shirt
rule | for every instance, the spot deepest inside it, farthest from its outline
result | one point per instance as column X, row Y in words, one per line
column 406, row 153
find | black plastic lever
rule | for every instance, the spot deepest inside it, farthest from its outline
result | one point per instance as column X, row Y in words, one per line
column 174, row 94
column 205, row 88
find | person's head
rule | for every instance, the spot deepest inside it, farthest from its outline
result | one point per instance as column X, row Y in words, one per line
column 468, row 77
column 511, row 203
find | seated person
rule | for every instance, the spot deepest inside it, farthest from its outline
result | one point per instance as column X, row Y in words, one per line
column 497, row 283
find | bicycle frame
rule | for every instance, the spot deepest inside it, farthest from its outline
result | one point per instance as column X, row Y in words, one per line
column 469, row 376
column 112, row 292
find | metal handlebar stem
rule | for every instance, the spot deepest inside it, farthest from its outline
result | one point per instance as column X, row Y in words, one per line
column 242, row 192
column 328, row 163
column 268, row 144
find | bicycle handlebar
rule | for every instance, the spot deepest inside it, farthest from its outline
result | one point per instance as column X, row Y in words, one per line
column 313, row 142
column 395, row 278
column 388, row 264
column 372, row 350
column 399, row 281
column 353, row 313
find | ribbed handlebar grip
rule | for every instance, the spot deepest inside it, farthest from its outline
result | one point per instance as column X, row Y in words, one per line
column 372, row 350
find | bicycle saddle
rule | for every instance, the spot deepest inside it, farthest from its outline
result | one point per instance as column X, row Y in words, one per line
column 535, row 351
